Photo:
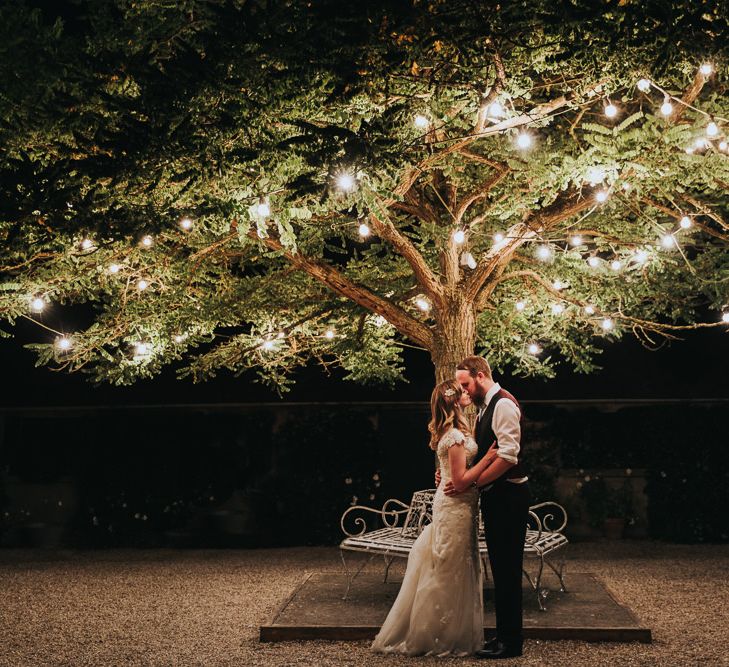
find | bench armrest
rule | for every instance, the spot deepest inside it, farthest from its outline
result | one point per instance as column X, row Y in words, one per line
column 548, row 516
column 389, row 515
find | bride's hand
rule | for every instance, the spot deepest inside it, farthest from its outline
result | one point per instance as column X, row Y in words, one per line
column 492, row 454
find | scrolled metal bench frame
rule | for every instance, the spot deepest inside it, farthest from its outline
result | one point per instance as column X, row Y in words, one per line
column 543, row 537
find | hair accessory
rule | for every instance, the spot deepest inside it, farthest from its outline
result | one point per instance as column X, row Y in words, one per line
column 449, row 392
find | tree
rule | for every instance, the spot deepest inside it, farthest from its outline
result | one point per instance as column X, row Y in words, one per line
column 231, row 184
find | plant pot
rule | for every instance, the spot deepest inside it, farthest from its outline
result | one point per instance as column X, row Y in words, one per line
column 614, row 528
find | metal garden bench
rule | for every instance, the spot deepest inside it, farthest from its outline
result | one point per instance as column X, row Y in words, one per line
column 397, row 535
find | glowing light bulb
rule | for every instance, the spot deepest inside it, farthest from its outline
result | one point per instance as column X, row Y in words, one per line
column 186, row 224
column 141, row 349
column 601, row 196
column 666, row 107
column 722, row 145
column 364, row 230
column 37, row 304
column 520, row 305
column 593, row 262
column 63, row 343
column 142, row 285
column 421, row 122
column 499, row 237
column 641, row 256
column 576, row 240
column 179, row 338
column 114, row 268
column 725, row 317
column 590, row 310
column 685, row 222
column 329, row 335
column 690, row 150
column 534, row 348
column 87, row 244
column 379, row 321
column 459, row 236
column 667, row 241
column 557, row 309
column 644, row 85
column 263, row 209
column 496, row 110
column 706, row 69
column 607, row 324
column 524, row 140
column 268, row 345
column 611, row 110
column 544, row 252
column 147, row 241
column 345, row 181
column 712, row 129
column 422, row 304
column 558, row 284
column 701, row 143
column 616, row 265
column 468, row 260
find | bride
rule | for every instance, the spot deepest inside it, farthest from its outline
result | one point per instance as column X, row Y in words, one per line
column 439, row 609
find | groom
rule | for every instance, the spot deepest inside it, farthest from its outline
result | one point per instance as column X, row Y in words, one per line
column 505, row 500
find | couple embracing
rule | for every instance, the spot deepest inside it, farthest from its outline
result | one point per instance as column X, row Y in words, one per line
column 439, row 609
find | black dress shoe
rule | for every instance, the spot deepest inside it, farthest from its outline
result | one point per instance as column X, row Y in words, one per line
column 498, row 650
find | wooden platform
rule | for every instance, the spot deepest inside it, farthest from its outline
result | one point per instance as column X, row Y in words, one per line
column 315, row 610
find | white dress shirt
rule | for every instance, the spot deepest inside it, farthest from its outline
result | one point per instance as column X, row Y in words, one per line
column 506, row 427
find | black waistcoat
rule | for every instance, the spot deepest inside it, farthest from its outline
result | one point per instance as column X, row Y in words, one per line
column 485, row 435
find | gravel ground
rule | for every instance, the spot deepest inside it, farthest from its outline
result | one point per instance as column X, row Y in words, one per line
column 179, row 608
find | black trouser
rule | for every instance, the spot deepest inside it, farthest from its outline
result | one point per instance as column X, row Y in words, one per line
column 505, row 510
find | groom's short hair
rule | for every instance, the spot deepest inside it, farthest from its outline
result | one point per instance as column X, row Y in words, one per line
column 475, row 365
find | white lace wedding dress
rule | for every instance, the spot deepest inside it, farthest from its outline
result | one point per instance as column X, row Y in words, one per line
column 439, row 609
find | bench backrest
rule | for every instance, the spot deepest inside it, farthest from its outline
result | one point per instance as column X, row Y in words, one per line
column 420, row 513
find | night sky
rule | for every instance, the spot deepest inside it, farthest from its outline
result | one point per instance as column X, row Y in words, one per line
column 697, row 367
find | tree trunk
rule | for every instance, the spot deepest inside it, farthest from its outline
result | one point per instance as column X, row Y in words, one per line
column 455, row 337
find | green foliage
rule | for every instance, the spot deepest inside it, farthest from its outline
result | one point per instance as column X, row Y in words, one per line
column 119, row 119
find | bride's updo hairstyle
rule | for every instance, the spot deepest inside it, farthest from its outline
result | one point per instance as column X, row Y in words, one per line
column 446, row 413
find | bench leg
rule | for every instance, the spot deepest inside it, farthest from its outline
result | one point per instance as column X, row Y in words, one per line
column 559, row 572
column 350, row 580
column 541, row 593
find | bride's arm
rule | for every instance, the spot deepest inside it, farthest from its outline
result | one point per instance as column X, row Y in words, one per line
column 461, row 477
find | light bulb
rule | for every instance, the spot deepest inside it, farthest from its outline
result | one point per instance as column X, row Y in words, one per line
column 593, row 262
column 544, row 252
column 706, row 69
column 666, row 107
column 422, row 304
column 722, row 145
column 141, row 349
column 37, row 304
column 142, row 285
column 379, row 321
column 329, row 335
column 268, row 345
column 499, row 237
column 147, row 241
column 459, row 236
column 607, row 324
column 644, row 85
column 523, row 140
column 558, row 284
column 345, row 181
column 701, row 143
column 576, row 240
column 611, row 110
column 601, row 196
column 364, row 230
column 590, row 310
column 712, row 129
column 557, row 309
column 685, row 222
column 179, row 338
column 421, row 122
column 595, row 175
column 534, row 348
column 63, row 343
column 87, row 244
column 263, row 209
column 616, row 265
column 186, row 223
column 690, row 150
column 468, row 260
column 641, row 256
column 496, row 110
column 725, row 317
column 520, row 305
column 667, row 241
column 114, row 268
